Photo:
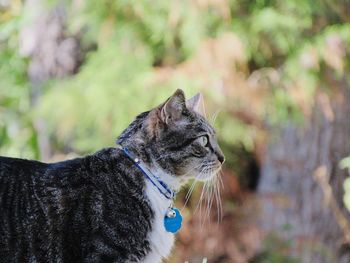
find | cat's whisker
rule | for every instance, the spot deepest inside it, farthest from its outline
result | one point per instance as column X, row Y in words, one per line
column 199, row 204
column 210, row 191
column 189, row 193
column 218, row 199
column 202, row 171
column 215, row 193
column 204, row 212
column 219, row 187
column 221, row 173
column 214, row 117
column 212, row 195
column 210, row 198
column 191, row 170
column 207, row 201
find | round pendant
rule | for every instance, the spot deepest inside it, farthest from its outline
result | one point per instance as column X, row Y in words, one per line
column 173, row 220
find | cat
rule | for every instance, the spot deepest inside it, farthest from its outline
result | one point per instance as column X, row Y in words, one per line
column 104, row 207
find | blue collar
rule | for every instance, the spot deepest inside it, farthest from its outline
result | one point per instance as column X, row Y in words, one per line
column 155, row 180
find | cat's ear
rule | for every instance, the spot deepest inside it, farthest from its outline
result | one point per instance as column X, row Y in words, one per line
column 166, row 114
column 172, row 109
column 196, row 104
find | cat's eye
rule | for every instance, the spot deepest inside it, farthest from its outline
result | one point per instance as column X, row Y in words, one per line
column 204, row 140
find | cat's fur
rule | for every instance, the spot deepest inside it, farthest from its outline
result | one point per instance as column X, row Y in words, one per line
column 100, row 208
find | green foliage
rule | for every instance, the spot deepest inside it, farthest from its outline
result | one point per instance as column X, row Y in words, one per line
column 171, row 30
column 133, row 38
column 272, row 29
column 276, row 250
column 90, row 109
column 17, row 135
column 282, row 108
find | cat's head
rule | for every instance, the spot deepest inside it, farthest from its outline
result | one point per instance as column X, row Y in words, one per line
column 177, row 138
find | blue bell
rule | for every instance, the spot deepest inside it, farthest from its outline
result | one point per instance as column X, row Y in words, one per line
column 173, row 220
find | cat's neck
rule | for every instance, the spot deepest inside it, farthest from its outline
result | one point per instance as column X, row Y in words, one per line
column 172, row 181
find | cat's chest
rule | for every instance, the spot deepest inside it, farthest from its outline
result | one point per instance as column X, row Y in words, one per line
column 161, row 241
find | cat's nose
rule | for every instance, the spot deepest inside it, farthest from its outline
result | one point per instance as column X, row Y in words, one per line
column 218, row 152
column 221, row 157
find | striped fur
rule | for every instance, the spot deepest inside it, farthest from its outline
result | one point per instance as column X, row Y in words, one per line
column 100, row 208
column 91, row 209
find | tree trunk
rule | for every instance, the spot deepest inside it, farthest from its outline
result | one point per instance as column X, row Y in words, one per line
column 53, row 54
column 295, row 199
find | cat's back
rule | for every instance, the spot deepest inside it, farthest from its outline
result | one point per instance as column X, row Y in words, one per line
column 16, row 165
column 90, row 208
column 15, row 170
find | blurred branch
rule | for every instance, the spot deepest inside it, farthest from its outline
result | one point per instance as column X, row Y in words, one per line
column 341, row 10
column 53, row 54
column 247, row 118
column 321, row 177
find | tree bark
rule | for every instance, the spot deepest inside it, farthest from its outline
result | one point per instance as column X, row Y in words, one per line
column 292, row 194
column 53, row 54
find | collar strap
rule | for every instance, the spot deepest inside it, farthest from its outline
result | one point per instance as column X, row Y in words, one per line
column 155, row 180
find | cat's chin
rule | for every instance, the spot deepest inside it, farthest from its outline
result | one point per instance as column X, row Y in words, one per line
column 204, row 177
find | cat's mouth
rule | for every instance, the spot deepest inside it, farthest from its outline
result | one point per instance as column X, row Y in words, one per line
column 208, row 171
column 210, row 174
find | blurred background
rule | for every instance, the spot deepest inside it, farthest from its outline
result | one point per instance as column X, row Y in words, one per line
column 275, row 77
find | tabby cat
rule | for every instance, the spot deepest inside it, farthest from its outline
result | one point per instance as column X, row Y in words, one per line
column 104, row 207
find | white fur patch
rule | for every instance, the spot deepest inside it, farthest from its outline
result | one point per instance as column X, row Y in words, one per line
column 161, row 241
